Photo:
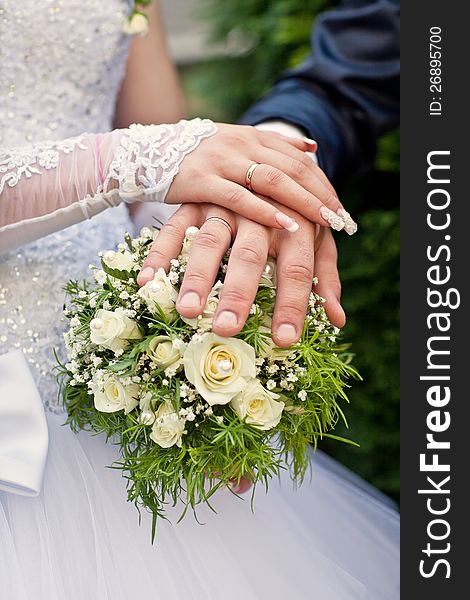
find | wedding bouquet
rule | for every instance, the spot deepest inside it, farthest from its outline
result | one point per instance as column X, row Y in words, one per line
column 189, row 410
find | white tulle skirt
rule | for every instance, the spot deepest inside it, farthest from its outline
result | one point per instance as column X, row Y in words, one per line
column 335, row 538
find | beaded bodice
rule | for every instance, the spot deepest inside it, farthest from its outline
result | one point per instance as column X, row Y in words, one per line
column 61, row 65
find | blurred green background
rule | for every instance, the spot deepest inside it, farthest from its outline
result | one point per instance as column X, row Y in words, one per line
column 261, row 38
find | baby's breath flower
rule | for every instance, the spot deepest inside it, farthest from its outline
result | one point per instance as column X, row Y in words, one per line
column 96, row 360
column 171, row 371
column 146, row 232
column 72, row 366
column 173, row 277
column 271, row 384
column 302, row 395
column 100, row 276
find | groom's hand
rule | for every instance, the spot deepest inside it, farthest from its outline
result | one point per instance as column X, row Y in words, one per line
column 299, row 259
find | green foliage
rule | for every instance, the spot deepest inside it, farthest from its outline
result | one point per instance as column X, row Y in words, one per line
column 276, row 36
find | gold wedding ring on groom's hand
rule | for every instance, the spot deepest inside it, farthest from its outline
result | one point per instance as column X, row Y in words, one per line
column 249, row 175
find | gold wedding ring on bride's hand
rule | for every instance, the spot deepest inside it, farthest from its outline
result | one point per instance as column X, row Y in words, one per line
column 249, row 175
column 223, row 221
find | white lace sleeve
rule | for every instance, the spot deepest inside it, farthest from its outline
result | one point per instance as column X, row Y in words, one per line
column 51, row 185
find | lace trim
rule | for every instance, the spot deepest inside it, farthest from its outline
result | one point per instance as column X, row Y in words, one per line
column 24, row 161
column 149, row 156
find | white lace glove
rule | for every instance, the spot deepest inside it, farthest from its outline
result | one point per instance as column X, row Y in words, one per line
column 48, row 186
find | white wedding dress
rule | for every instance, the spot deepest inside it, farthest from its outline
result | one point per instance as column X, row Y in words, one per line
column 336, row 538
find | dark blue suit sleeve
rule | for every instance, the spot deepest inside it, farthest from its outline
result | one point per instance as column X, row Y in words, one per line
column 347, row 92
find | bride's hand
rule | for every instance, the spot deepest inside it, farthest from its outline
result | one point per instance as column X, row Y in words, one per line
column 299, row 259
column 280, row 169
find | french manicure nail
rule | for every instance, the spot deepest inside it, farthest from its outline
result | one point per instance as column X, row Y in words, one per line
column 226, row 319
column 286, row 222
column 287, row 333
column 146, row 275
column 189, row 300
column 350, row 226
column 309, row 141
column 334, row 221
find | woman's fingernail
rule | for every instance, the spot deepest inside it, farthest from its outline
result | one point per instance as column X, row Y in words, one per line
column 350, row 226
column 286, row 222
column 146, row 275
column 287, row 333
column 189, row 300
column 309, row 141
column 226, row 319
column 334, row 221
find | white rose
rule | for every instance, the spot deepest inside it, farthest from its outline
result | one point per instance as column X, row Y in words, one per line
column 164, row 351
column 257, row 406
column 205, row 320
column 113, row 330
column 160, row 292
column 268, row 277
column 123, row 261
column 218, row 367
column 111, row 395
column 168, row 428
column 137, row 24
